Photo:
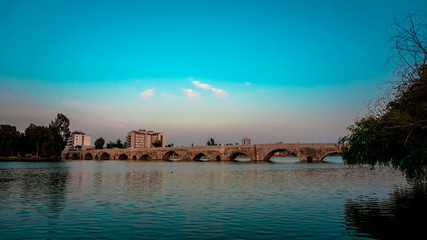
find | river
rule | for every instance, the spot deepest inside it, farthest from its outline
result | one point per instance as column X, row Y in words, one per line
column 206, row 200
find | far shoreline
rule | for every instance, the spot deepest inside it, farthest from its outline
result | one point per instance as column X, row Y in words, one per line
column 28, row 159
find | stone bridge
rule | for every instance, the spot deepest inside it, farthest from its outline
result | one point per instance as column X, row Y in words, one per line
column 256, row 152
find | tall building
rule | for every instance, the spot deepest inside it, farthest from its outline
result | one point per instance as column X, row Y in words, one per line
column 78, row 138
column 246, row 141
column 144, row 139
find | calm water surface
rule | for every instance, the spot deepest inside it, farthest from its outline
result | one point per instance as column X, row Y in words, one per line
column 205, row 200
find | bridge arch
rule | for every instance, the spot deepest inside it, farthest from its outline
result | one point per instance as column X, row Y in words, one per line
column 75, row 156
column 199, row 156
column 134, row 157
column 96, row 157
column 237, row 155
column 283, row 152
column 170, row 155
column 123, row 156
column 88, row 156
column 105, row 156
column 145, row 157
column 331, row 154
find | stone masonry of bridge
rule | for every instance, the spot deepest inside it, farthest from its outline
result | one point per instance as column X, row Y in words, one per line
column 256, row 152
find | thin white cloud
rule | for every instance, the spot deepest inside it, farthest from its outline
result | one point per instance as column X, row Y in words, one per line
column 147, row 93
column 190, row 93
column 202, row 85
column 247, row 83
column 217, row 91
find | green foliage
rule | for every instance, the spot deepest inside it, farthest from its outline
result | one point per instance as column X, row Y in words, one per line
column 157, row 143
column 117, row 144
column 10, row 140
column 62, row 123
column 396, row 135
column 99, row 143
column 46, row 142
column 211, row 142
column 365, row 144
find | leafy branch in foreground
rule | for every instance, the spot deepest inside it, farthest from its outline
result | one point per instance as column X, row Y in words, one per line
column 395, row 132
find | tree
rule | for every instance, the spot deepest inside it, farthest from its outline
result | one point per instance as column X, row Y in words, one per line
column 56, row 142
column 8, row 140
column 62, row 123
column 47, row 142
column 157, row 143
column 117, row 144
column 394, row 131
column 99, row 143
column 33, row 139
column 44, row 141
column 211, row 142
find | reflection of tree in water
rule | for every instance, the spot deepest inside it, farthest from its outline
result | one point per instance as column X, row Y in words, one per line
column 44, row 190
column 399, row 217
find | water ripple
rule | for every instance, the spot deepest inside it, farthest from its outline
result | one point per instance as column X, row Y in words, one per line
column 209, row 200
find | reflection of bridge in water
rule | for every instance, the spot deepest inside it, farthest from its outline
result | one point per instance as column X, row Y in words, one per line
column 256, row 152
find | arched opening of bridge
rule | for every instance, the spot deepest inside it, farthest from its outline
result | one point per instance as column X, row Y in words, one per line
column 218, row 158
column 133, row 157
column 75, row 156
column 67, row 156
column 201, row 157
column 96, row 157
column 281, row 156
column 88, row 156
column 171, row 156
column 333, row 157
column 145, row 157
column 240, row 157
column 123, row 157
column 105, row 156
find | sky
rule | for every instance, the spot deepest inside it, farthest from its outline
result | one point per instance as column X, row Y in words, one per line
column 273, row 71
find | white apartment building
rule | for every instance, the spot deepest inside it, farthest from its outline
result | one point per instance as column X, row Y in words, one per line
column 144, row 138
column 246, row 141
column 78, row 138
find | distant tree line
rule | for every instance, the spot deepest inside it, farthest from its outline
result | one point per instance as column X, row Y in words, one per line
column 40, row 141
column 211, row 142
column 99, row 144
column 117, row 144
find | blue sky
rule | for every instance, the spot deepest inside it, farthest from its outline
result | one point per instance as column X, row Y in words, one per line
column 290, row 71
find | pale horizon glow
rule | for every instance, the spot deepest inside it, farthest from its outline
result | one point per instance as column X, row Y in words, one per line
column 147, row 93
column 190, row 93
column 272, row 71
